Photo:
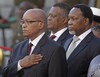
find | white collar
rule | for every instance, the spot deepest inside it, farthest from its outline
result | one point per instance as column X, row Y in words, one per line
column 83, row 35
column 37, row 39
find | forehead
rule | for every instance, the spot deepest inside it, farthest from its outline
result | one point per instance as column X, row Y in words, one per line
column 30, row 15
column 75, row 12
column 55, row 10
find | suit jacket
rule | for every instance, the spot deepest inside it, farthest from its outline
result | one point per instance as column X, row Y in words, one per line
column 62, row 39
column 53, row 63
column 94, row 68
column 79, row 60
column 65, row 36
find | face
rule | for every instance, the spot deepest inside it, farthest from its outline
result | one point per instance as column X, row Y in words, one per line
column 56, row 19
column 76, row 22
column 97, row 33
column 95, row 24
column 31, row 25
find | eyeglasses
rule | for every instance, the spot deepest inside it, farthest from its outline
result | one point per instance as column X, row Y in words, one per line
column 96, row 28
column 28, row 22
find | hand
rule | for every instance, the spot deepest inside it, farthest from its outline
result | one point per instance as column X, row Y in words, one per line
column 30, row 60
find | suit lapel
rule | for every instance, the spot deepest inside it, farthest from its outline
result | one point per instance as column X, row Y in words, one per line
column 80, row 47
column 67, row 43
column 38, row 48
column 24, row 48
column 63, row 36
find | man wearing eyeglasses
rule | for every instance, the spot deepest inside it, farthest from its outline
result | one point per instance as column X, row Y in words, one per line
column 57, row 22
column 45, row 59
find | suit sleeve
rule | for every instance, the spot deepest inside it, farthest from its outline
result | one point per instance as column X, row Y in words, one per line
column 11, row 69
column 58, row 64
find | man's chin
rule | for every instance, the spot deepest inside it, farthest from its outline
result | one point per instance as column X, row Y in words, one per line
column 72, row 32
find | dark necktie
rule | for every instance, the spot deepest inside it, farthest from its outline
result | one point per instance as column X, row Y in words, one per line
column 29, row 48
column 53, row 36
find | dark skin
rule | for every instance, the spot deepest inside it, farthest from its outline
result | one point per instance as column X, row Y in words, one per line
column 57, row 19
column 30, row 60
column 77, row 23
column 97, row 31
column 31, row 31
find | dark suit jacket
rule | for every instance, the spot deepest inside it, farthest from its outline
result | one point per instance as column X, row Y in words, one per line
column 65, row 36
column 62, row 39
column 53, row 63
column 79, row 60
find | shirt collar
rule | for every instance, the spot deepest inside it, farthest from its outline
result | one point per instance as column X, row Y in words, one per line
column 59, row 32
column 83, row 35
column 36, row 40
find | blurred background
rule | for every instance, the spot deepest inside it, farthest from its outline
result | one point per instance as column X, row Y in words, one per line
column 8, row 18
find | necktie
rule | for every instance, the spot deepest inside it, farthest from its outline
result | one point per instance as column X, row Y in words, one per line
column 53, row 36
column 72, row 46
column 29, row 48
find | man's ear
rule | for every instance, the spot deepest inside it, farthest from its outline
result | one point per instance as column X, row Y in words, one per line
column 65, row 20
column 86, row 21
column 41, row 25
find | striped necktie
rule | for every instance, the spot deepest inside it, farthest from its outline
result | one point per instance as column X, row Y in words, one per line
column 53, row 36
column 29, row 48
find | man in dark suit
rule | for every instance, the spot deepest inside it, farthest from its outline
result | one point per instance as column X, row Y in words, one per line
column 86, row 47
column 45, row 59
column 57, row 22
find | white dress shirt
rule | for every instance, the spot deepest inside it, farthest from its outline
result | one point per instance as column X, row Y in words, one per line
column 58, row 34
column 81, row 37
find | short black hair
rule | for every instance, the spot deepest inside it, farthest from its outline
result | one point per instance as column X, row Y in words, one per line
column 86, row 10
column 96, row 18
column 63, row 6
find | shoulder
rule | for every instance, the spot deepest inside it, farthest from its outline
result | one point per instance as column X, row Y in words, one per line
column 93, row 39
column 52, row 44
column 21, row 44
column 54, row 48
column 96, row 41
